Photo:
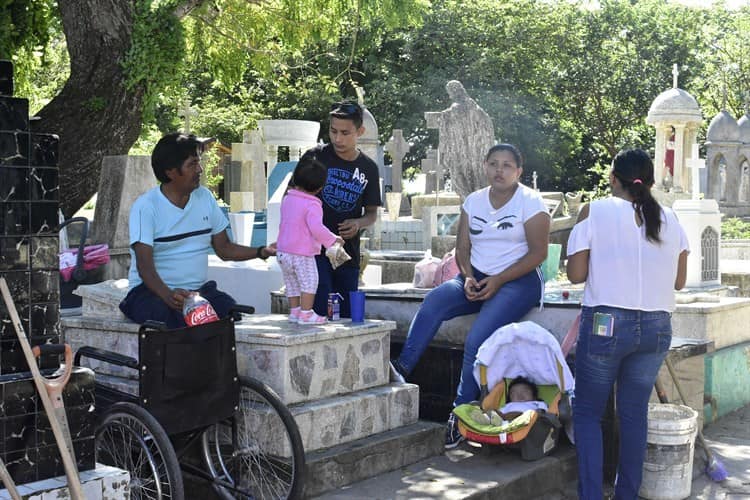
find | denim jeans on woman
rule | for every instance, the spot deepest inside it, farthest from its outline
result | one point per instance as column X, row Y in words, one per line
column 631, row 358
column 511, row 302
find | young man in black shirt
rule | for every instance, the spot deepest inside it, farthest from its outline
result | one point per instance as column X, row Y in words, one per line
column 351, row 197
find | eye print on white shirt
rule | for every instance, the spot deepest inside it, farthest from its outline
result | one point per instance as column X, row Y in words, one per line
column 477, row 227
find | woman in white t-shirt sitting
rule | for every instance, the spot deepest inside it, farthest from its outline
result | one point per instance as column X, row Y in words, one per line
column 632, row 254
column 502, row 239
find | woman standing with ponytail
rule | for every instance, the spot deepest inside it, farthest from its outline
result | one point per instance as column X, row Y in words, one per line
column 632, row 254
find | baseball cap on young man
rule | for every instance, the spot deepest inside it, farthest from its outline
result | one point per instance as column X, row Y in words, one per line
column 347, row 110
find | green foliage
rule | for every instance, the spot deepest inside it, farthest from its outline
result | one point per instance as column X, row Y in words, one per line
column 31, row 37
column 156, row 55
column 734, row 228
column 96, row 103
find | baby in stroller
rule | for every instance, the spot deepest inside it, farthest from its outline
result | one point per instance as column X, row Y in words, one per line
column 523, row 394
column 525, row 384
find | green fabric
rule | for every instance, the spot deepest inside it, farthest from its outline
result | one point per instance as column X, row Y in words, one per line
column 475, row 419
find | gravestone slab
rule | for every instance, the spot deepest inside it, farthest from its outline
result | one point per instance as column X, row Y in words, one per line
column 123, row 179
column 308, row 362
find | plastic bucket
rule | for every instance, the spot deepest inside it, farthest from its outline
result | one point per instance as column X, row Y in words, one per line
column 668, row 467
column 551, row 264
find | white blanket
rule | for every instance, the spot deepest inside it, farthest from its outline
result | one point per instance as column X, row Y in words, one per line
column 523, row 349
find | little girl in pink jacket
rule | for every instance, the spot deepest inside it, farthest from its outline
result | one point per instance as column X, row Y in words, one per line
column 301, row 234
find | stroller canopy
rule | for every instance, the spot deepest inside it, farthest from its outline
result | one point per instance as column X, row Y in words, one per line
column 523, row 349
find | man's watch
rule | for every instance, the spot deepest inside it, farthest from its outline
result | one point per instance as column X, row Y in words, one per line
column 259, row 253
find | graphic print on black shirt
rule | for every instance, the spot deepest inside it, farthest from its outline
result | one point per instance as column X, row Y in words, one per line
column 343, row 189
column 350, row 186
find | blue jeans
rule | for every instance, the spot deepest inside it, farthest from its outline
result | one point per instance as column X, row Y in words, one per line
column 141, row 305
column 343, row 280
column 631, row 358
column 511, row 302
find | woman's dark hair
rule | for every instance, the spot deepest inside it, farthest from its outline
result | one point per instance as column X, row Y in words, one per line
column 523, row 380
column 635, row 171
column 310, row 175
column 506, row 147
column 171, row 152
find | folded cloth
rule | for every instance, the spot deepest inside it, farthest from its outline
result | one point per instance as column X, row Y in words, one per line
column 337, row 255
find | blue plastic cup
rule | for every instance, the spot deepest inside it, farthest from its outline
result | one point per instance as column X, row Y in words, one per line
column 357, row 306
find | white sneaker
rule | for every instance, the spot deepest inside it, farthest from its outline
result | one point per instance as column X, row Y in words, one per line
column 311, row 318
column 294, row 315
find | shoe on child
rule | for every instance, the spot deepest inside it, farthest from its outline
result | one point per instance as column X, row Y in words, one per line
column 294, row 315
column 310, row 318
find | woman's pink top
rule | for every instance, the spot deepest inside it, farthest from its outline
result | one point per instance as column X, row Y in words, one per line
column 301, row 231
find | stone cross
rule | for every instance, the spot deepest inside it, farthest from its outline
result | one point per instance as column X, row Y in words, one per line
column 695, row 163
column 428, row 168
column 533, row 181
column 397, row 147
column 187, row 112
column 675, row 74
column 360, row 95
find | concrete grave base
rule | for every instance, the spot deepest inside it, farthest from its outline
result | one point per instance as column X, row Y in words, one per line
column 342, row 419
column 309, row 362
column 102, row 483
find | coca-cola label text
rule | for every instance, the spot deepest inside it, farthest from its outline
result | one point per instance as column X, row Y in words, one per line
column 199, row 311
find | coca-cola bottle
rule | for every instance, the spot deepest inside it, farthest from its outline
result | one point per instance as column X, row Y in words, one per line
column 198, row 310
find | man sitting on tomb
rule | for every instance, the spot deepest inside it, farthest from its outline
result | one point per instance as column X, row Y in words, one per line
column 351, row 197
column 172, row 229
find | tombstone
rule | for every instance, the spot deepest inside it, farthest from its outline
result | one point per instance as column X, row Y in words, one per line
column 123, row 179
column 701, row 220
column 251, row 158
column 466, row 133
column 676, row 116
column 429, row 167
column 187, row 113
column 397, row 147
column 29, row 243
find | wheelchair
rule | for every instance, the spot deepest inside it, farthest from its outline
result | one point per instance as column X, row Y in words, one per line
column 192, row 413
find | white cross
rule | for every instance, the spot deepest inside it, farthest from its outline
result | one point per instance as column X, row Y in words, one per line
column 533, row 180
column 695, row 163
column 187, row 112
column 675, row 73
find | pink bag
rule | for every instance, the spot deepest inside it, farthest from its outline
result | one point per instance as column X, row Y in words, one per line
column 93, row 257
column 447, row 269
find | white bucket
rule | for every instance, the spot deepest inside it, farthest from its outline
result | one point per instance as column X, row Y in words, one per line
column 668, row 467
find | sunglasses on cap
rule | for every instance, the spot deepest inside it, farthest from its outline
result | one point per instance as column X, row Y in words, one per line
column 347, row 108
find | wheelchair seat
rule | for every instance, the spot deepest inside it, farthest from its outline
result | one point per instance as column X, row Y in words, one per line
column 188, row 376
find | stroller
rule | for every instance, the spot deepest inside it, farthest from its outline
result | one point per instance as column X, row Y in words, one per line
column 75, row 262
column 520, row 349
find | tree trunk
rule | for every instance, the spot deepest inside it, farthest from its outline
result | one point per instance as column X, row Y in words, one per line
column 94, row 115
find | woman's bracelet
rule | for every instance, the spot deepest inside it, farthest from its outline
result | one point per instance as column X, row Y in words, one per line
column 259, row 253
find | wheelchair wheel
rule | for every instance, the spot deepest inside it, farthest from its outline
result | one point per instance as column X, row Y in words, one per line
column 130, row 438
column 259, row 451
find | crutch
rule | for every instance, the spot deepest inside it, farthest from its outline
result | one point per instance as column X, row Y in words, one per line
column 50, row 392
column 8, row 482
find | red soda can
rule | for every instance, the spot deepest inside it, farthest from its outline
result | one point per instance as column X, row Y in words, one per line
column 198, row 310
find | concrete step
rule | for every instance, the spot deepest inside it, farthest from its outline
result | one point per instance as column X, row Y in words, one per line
column 471, row 473
column 371, row 457
column 345, row 418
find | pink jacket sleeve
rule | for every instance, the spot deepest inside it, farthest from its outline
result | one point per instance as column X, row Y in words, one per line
column 314, row 220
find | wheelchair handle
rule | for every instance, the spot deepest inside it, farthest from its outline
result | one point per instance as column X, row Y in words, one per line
column 106, row 356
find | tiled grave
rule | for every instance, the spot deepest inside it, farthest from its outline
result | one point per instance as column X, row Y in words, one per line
column 29, row 195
